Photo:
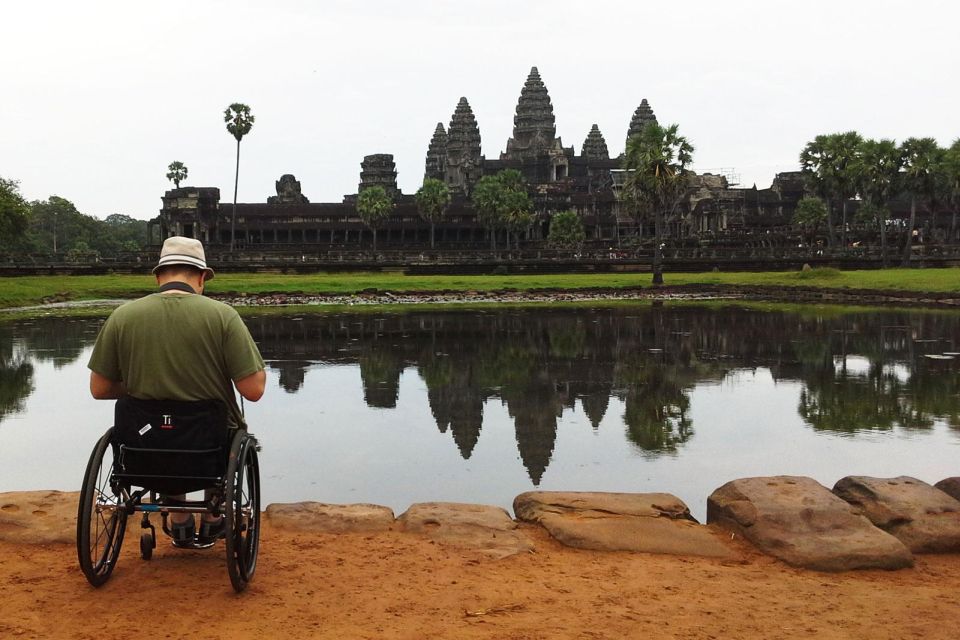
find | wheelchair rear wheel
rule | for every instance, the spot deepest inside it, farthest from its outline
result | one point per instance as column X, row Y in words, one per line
column 101, row 517
column 242, row 510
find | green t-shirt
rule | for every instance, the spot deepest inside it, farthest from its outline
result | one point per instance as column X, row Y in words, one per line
column 177, row 347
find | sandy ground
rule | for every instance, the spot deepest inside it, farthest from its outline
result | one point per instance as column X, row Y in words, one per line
column 395, row 585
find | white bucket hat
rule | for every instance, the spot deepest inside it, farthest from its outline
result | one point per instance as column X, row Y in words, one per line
column 181, row 250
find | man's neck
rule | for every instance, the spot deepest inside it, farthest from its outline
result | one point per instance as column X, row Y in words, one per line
column 176, row 286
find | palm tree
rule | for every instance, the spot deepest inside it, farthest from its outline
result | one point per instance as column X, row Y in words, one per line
column 921, row 158
column 817, row 162
column 845, row 149
column 658, row 158
column 239, row 122
column 485, row 198
column 432, row 198
column 879, row 167
column 830, row 162
column 502, row 201
column 176, row 172
column 374, row 205
column 515, row 204
column 951, row 180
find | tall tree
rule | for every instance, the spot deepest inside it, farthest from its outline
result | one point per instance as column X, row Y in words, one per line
column 14, row 211
column 846, row 148
column 432, row 198
column 502, row 202
column 921, row 159
column 177, row 171
column 374, row 206
column 658, row 158
column 516, row 204
column 817, row 163
column 951, row 183
column 122, row 233
column 830, row 162
column 810, row 214
column 56, row 226
column 485, row 197
column 880, row 162
column 239, row 122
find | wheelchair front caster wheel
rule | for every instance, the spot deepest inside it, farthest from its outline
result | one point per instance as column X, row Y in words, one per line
column 146, row 545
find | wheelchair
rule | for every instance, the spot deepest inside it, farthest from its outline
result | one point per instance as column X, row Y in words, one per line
column 158, row 449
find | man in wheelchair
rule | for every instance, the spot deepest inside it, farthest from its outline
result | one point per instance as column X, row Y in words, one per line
column 177, row 346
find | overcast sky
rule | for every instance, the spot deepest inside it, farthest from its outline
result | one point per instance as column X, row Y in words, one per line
column 99, row 97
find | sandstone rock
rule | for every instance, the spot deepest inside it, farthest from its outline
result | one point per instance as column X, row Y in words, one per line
column 643, row 522
column 921, row 516
column 486, row 529
column 800, row 522
column 950, row 486
column 330, row 518
column 38, row 517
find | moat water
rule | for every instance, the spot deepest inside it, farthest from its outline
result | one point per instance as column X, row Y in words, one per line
column 480, row 405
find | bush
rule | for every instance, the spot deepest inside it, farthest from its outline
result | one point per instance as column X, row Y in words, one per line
column 566, row 230
column 820, row 273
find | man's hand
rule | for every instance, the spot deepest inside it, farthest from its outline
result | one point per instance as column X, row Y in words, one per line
column 103, row 388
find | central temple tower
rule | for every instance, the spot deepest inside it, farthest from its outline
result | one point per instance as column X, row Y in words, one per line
column 534, row 126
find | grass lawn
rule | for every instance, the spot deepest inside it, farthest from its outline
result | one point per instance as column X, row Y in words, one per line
column 32, row 290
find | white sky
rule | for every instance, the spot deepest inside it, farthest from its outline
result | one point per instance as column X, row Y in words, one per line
column 96, row 98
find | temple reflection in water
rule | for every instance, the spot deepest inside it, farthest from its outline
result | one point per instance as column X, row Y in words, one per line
column 539, row 363
column 858, row 371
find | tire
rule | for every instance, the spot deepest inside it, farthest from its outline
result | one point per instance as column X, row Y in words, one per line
column 101, row 518
column 242, row 510
column 146, row 546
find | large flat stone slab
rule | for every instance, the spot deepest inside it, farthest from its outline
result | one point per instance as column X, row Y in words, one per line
column 640, row 522
column 318, row 517
column 39, row 517
column 486, row 529
column 801, row 522
column 921, row 516
column 950, row 486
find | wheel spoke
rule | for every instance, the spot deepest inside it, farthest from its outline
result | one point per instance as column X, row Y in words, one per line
column 102, row 520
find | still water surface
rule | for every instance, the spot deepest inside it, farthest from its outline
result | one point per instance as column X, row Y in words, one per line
column 477, row 406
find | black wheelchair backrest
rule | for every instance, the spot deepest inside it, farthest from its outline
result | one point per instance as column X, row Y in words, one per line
column 170, row 446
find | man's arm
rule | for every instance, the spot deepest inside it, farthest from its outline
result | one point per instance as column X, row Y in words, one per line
column 103, row 388
column 251, row 387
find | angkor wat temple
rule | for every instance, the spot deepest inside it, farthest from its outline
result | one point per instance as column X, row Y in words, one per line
column 559, row 179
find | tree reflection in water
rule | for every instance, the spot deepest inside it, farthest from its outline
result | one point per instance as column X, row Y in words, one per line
column 859, row 370
column 882, row 394
column 25, row 343
column 16, row 375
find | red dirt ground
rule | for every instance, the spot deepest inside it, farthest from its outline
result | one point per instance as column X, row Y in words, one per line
column 395, row 585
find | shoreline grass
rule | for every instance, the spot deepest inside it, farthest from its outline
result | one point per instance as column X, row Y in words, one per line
column 22, row 291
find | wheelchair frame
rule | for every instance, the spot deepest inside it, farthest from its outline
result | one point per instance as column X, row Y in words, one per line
column 107, row 500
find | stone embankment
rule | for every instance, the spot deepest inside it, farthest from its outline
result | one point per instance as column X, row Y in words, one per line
column 862, row 523
column 676, row 292
column 377, row 297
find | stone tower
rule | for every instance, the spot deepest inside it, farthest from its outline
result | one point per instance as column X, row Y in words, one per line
column 641, row 117
column 436, row 154
column 595, row 147
column 288, row 191
column 464, row 164
column 534, row 127
column 379, row 170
